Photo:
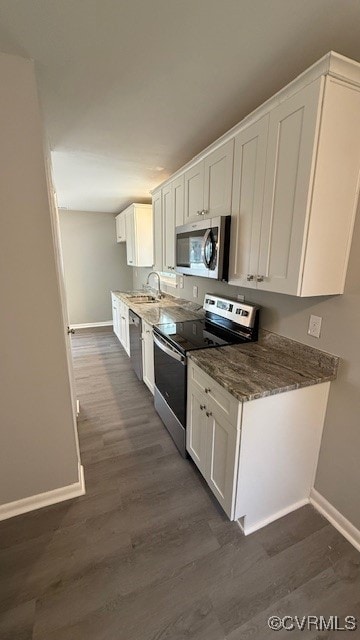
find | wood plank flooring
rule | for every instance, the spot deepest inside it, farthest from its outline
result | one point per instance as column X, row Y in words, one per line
column 147, row 553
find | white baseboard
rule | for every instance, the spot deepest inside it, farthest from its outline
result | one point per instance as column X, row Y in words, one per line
column 275, row 516
column 342, row 524
column 90, row 325
column 18, row 507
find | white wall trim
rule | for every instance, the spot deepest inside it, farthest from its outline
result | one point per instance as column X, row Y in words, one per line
column 89, row 325
column 18, row 507
column 275, row 516
column 342, row 524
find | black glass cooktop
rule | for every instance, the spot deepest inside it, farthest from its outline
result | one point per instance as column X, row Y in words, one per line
column 196, row 334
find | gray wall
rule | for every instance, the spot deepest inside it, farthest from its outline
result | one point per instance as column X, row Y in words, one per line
column 94, row 263
column 338, row 474
column 37, row 437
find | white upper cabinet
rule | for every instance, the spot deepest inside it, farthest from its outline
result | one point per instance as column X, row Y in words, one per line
column 120, row 227
column 218, row 175
column 168, row 235
column 194, row 192
column 139, row 235
column 130, row 237
column 288, row 235
column 208, row 184
column 178, row 200
column 247, row 202
column 292, row 143
column 157, row 231
column 289, row 176
column 168, row 212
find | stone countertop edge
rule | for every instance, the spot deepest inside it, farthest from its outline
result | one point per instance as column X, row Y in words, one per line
column 275, row 364
column 168, row 309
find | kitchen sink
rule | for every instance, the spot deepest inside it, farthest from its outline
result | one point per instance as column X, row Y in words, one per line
column 141, row 299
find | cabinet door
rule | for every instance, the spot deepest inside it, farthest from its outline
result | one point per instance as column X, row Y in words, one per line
column 194, row 192
column 124, row 327
column 130, row 237
column 293, row 132
column 222, row 450
column 115, row 317
column 157, row 231
column 196, row 428
column 121, row 316
column 178, row 200
column 247, row 202
column 126, row 330
column 218, row 172
column 148, row 356
column 120, row 228
column 168, row 217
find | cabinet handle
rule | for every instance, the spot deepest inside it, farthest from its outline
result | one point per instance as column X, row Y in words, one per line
column 123, row 318
column 207, row 390
column 249, row 277
column 205, row 211
column 209, row 413
column 202, row 407
column 260, row 278
column 130, row 261
column 201, row 213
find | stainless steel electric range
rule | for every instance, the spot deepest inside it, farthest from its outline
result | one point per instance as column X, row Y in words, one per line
column 226, row 322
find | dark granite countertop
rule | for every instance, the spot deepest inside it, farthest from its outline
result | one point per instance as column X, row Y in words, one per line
column 168, row 309
column 272, row 365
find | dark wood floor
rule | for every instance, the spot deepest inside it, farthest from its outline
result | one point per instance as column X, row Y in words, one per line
column 147, row 554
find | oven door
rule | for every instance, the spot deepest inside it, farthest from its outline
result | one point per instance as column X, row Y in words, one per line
column 170, row 376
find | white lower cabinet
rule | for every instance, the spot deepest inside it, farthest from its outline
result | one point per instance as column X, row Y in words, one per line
column 222, row 448
column 148, row 356
column 124, row 327
column 120, row 315
column 196, row 428
column 211, row 439
column 259, row 457
column 115, row 306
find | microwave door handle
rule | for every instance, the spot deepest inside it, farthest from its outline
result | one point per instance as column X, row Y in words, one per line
column 168, row 350
column 203, row 248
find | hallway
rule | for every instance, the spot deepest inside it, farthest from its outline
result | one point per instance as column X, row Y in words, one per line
column 147, row 554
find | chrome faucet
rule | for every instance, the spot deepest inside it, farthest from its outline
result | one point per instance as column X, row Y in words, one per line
column 154, row 273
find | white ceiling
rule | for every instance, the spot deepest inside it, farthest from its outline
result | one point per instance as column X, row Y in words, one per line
column 132, row 89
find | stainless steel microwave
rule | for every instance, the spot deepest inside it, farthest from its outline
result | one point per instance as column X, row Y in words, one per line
column 202, row 248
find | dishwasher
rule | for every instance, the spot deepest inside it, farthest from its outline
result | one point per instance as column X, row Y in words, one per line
column 135, row 343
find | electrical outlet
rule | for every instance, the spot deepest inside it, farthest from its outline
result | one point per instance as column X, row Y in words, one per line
column 195, row 291
column 181, row 282
column 240, row 297
column 314, row 326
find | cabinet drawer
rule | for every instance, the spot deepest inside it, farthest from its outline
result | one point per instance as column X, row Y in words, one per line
column 218, row 396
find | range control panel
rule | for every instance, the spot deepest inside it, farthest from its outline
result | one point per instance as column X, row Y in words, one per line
column 242, row 313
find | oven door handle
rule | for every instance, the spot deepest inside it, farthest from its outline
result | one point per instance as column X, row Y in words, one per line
column 168, row 350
